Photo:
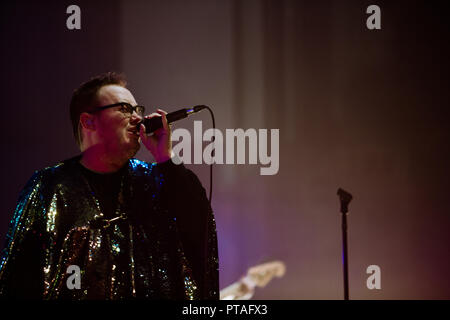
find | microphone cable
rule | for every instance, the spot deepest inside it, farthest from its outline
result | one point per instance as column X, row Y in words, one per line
column 213, row 153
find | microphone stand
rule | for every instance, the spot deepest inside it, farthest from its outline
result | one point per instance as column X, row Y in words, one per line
column 345, row 199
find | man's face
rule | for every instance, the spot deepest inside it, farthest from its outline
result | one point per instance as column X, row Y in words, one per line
column 118, row 132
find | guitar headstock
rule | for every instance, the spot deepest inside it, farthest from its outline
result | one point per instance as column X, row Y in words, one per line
column 261, row 274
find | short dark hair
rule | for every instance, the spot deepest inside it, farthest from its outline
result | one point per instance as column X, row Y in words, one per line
column 85, row 97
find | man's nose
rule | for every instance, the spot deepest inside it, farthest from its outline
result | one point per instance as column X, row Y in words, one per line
column 136, row 117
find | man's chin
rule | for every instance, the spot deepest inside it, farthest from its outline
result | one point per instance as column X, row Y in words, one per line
column 134, row 149
column 131, row 147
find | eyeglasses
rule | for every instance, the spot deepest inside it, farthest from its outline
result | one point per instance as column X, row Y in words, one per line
column 126, row 108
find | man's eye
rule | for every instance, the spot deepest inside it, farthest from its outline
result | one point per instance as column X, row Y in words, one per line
column 124, row 109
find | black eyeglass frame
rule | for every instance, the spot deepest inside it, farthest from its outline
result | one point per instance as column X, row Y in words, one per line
column 128, row 105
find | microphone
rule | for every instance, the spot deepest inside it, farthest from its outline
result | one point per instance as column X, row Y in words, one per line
column 155, row 123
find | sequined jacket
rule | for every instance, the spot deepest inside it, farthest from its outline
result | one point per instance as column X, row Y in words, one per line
column 162, row 245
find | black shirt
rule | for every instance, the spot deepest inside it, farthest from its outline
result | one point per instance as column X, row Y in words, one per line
column 106, row 187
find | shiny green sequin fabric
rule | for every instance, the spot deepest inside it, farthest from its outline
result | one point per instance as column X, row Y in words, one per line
column 161, row 242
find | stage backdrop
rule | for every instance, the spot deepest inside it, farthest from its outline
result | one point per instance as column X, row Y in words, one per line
column 364, row 110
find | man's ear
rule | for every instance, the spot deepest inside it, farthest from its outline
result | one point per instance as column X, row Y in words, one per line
column 87, row 121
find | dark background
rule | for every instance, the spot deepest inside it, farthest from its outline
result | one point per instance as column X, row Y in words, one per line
column 358, row 109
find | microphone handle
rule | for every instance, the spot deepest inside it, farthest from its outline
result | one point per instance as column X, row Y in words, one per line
column 155, row 123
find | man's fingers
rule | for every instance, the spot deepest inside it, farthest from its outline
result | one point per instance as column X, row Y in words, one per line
column 162, row 114
column 142, row 133
column 164, row 121
column 152, row 115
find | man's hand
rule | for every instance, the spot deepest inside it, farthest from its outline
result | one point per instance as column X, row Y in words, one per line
column 158, row 142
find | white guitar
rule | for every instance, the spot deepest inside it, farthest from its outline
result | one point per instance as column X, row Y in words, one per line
column 257, row 276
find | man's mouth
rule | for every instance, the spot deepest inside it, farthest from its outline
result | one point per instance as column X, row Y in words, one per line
column 134, row 131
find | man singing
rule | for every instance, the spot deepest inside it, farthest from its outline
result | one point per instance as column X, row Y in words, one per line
column 103, row 225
